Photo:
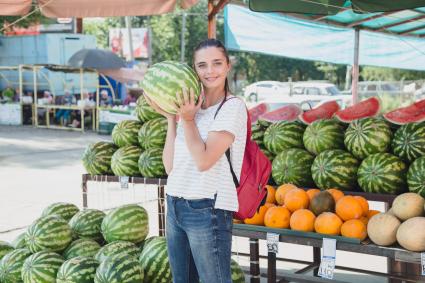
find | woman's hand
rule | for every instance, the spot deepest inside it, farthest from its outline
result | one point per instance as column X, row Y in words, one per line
column 187, row 106
column 158, row 109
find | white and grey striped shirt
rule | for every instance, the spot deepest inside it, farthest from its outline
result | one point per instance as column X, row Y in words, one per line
column 185, row 180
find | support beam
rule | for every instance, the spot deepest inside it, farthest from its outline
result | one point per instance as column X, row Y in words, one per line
column 213, row 10
column 79, row 25
column 374, row 17
column 354, row 85
column 385, row 27
column 412, row 30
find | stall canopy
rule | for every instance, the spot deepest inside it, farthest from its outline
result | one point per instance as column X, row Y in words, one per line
column 312, row 39
column 93, row 8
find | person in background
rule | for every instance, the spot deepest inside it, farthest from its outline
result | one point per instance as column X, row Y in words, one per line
column 47, row 99
column 105, row 100
column 68, row 99
column 131, row 98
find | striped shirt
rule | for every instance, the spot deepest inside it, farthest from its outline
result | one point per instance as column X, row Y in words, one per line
column 186, row 181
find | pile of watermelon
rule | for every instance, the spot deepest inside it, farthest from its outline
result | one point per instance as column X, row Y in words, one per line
column 136, row 149
column 350, row 149
column 66, row 245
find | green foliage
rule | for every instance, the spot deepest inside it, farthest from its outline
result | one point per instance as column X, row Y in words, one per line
column 34, row 18
column 387, row 74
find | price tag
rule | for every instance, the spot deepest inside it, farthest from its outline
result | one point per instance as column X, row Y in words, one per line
column 327, row 265
column 423, row 263
column 273, row 243
column 124, row 182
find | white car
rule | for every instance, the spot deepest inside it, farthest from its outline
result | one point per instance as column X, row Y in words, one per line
column 266, row 90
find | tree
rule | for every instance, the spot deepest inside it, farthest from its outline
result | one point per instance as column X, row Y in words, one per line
column 34, row 18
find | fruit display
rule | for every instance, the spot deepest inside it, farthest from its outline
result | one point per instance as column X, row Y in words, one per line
column 124, row 161
column 144, row 112
column 323, row 135
column 125, row 133
column 416, row 176
column 152, row 134
column 284, row 135
column 323, row 111
column 97, row 158
column 409, row 114
column 409, row 141
column 293, row 166
column 288, row 113
column 366, row 108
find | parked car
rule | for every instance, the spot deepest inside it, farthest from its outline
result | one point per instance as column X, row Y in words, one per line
column 266, row 90
column 315, row 88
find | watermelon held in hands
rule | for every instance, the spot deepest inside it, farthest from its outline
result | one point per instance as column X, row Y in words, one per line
column 367, row 108
column 288, row 113
column 323, row 111
column 408, row 114
column 164, row 80
column 256, row 111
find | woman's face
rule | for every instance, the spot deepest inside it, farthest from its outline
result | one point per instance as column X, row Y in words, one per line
column 211, row 66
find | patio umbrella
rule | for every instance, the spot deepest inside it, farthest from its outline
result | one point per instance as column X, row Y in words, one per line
column 96, row 59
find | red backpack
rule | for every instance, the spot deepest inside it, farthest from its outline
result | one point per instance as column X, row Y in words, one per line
column 255, row 173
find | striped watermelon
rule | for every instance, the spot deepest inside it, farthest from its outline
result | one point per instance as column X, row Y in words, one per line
column 86, row 224
column 124, row 161
column 48, row 233
column 154, row 261
column 150, row 163
column 11, row 265
column 77, row 270
column 97, row 158
column 119, row 269
column 164, row 80
column 323, row 135
column 367, row 136
column 284, row 135
column 143, row 243
column 81, row 247
column 144, row 112
column 19, row 241
column 117, row 247
column 41, row 267
column 62, row 209
column 125, row 133
column 152, row 134
column 409, row 141
column 416, row 176
column 293, row 166
column 237, row 273
column 335, row 169
column 127, row 223
column 382, row 173
column 4, row 248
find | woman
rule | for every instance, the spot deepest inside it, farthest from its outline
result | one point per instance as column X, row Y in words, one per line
column 201, row 195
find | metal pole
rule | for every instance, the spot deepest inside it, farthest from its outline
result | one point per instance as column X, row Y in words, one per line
column 150, row 39
column 354, row 88
column 130, row 38
column 212, row 29
column 182, row 41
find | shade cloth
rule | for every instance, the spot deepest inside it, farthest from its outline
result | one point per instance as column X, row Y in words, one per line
column 14, row 7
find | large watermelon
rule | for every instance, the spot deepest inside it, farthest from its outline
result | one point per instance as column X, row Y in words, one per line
column 257, row 131
column 77, row 270
column 62, row 209
column 125, row 161
column 409, row 141
column 323, row 135
column 41, row 267
column 237, row 272
column 117, row 247
column 164, row 80
column 125, row 133
column 97, row 158
column 284, row 135
column 335, row 169
column 4, row 248
column 367, row 136
column 127, row 223
column 293, row 166
column 86, row 224
column 382, row 173
column 154, row 261
column 19, row 242
column 152, row 134
column 150, row 163
column 416, row 176
column 48, row 233
column 144, row 112
column 119, row 269
column 11, row 265
column 81, row 247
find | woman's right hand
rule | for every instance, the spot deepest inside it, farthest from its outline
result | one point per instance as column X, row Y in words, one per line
column 158, row 109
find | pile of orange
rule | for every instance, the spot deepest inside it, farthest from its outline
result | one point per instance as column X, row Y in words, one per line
column 288, row 207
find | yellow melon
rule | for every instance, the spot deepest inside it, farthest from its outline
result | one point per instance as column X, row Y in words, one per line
column 411, row 234
column 382, row 229
column 408, row 205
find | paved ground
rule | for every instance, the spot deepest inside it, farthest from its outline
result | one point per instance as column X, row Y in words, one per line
column 39, row 167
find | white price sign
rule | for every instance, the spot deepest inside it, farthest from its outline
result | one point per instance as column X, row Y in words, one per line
column 327, row 265
column 273, row 243
column 124, row 182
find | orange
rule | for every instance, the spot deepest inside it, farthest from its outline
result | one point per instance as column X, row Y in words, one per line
column 302, row 220
column 258, row 218
column 281, row 192
column 364, row 219
column 348, row 207
column 271, row 191
column 312, row 192
column 337, row 194
column 363, row 202
column 296, row 199
column 371, row 213
column 277, row 217
column 354, row 228
column 328, row 223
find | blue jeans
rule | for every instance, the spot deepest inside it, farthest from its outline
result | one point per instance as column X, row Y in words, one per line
column 199, row 239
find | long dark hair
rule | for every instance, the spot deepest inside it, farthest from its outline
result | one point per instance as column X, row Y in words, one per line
column 212, row 42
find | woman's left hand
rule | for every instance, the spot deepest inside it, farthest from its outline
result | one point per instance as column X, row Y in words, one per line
column 187, row 106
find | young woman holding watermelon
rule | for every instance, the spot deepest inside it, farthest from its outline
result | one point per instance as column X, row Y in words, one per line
column 201, row 194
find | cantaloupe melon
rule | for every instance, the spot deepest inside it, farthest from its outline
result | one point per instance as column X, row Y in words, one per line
column 408, row 205
column 382, row 229
column 411, row 234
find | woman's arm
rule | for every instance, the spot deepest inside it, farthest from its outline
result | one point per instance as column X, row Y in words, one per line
column 168, row 153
